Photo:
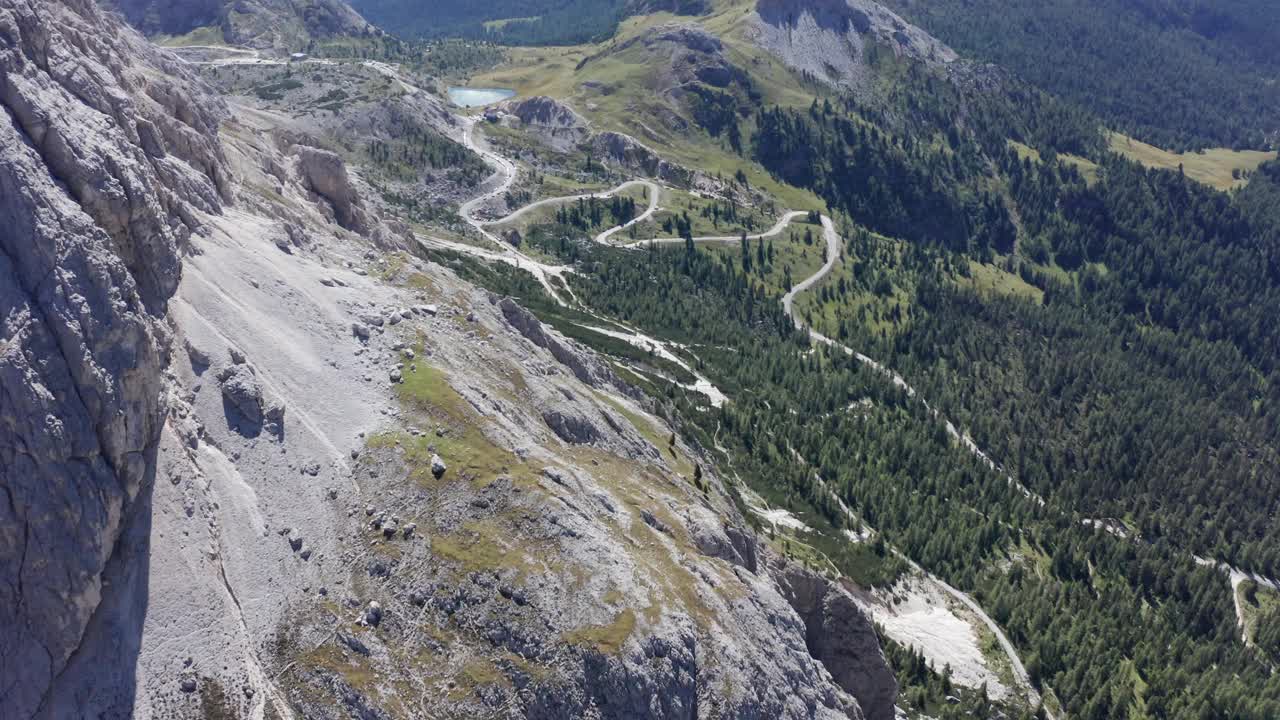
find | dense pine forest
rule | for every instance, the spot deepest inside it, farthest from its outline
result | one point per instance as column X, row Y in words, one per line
column 1151, row 362
column 1177, row 73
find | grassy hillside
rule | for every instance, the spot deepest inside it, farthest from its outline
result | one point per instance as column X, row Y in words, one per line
column 622, row 85
column 1221, row 168
column 519, row 22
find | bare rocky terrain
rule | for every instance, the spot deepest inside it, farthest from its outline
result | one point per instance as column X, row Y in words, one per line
column 830, row 39
column 262, row 460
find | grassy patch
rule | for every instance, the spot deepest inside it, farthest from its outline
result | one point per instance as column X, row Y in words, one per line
column 470, row 455
column 608, row 639
column 476, row 673
column 209, row 35
column 1221, row 168
column 1088, row 168
column 484, row 545
column 991, row 279
column 1256, row 601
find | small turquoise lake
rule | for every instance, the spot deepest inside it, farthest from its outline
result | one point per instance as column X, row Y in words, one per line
column 478, row 97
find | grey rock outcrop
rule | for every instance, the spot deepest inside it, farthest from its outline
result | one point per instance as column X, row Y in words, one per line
column 584, row 367
column 571, row 426
column 551, row 120
column 625, row 151
column 840, row 636
column 827, row 39
column 242, row 395
column 325, row 174
column 685, row 55
column 108, row 156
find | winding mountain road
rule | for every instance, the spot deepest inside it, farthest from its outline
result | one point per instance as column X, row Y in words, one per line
column 786, row 219
column 651, row 189
column 833, row 256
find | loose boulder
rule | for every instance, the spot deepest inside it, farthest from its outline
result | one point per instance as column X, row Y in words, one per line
column 241, row 398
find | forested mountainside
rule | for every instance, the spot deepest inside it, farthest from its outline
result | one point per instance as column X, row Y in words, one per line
column 1176, row 73
column 1100, row 328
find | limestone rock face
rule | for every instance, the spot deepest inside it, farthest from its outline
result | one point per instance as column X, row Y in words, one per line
column 553, row 121
column 841, row 637
column 108, row 154
column 827, row 38
column 587, row 369
column 326, row 175
column 634, row 155
column 542, row 111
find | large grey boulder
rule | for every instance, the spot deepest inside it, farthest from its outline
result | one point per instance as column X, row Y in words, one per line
column 325, row 174
column 242, row 397
column 108, row 153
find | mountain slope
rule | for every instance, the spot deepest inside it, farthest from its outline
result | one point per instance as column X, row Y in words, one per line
column 280, row 24
column 263, row 459
column 1098, row 329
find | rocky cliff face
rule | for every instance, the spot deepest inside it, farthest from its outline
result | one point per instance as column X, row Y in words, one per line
column 839, row 635
column 109, row 156
column 552, row 121
column 256, row 465
column 627, row 152
column 831, row 39
column 281, row 24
